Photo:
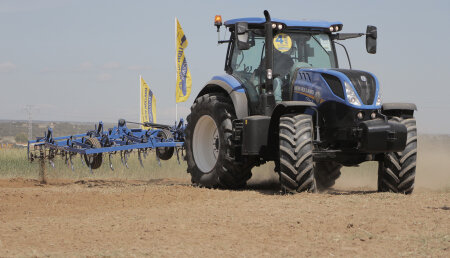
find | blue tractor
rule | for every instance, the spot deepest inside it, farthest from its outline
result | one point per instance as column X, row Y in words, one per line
column 285, row 99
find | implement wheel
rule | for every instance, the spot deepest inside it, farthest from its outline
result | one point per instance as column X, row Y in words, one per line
column 165, row 153
column 93, row 161
column 208, row 144
column 296, row 160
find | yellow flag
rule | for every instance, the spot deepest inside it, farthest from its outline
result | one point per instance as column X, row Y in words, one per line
column 148, row 104
column 184, row 81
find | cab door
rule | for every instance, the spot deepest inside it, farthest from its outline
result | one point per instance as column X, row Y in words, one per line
column 245, row 66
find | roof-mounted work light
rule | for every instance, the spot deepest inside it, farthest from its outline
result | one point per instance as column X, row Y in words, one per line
column 278, row 26
column 335, row 28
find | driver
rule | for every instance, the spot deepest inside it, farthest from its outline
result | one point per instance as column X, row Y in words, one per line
column 282, row 64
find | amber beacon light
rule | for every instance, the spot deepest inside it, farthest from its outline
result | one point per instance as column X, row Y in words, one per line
column 218, row 21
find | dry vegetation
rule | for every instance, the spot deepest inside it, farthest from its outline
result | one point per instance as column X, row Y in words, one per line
column 156, row 212
column 13, row 163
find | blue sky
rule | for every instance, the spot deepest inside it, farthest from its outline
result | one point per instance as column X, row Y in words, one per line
column 81, row 60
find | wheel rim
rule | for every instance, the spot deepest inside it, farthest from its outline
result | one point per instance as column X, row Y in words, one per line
column 206, row 144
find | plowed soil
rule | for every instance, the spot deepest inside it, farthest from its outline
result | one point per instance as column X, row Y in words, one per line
column 172, row 218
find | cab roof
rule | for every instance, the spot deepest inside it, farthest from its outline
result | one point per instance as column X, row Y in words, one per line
column 288, row 23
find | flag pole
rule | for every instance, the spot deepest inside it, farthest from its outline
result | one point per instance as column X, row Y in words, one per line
column 140, row 100
column 176, row 72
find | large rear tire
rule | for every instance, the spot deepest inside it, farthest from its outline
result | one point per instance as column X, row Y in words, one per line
column 397, row 171
column 296, row 153
column 208, row 144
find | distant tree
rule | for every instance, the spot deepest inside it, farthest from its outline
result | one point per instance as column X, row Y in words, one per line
column 21, row 138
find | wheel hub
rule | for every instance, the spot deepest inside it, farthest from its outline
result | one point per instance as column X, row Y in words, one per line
column 206, row 143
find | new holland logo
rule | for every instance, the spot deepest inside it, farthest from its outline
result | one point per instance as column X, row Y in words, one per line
column 363, row 78
column 317, row 97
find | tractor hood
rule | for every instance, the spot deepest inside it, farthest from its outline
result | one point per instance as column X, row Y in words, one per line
column 352, row 87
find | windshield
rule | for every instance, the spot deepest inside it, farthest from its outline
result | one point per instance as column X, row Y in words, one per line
column 299, row 49
column 291, row 50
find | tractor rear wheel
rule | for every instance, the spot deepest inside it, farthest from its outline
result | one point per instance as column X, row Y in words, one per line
column 327, row 173
column 208, row 144
column 93, row 161
column 397, row 171
column 296, row 153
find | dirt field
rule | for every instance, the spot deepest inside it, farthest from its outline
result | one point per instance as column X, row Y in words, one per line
column 171, row 218
column 142, row 213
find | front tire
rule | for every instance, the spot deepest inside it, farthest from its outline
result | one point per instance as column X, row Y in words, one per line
column 327, row 172
column 296, row 154
column 397, row 170
column 208, row 144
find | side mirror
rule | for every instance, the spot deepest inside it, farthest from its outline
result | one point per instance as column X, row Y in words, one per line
column 241, row 35
column 371, row 39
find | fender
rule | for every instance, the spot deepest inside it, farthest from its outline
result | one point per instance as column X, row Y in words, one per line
column 399, row 109
column 232, row 88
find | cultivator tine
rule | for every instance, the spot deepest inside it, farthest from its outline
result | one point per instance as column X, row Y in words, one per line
column 140, row 158
column 88, row 161
column 82, row 160
column 121, row 158
column 66, row 159
column 145, row 153
column 124, row 157
column 71, row 162
column 51, row 163
column 110, row 162
column 157, row 158
column 89, row 165
column 178, row 157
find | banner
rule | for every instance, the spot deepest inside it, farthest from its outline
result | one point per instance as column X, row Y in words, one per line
column 184, row 81
column 148, row 104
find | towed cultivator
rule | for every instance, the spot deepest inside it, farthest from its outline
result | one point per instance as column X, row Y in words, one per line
column 91, row 146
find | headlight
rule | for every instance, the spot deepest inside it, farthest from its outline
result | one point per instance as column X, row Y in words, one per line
column 378, row 99
column 351, row 95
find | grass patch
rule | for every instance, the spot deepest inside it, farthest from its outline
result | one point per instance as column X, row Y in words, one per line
column 14, row 163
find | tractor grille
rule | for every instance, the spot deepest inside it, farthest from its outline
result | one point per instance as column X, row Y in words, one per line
column 364, row 84
column 335, row 85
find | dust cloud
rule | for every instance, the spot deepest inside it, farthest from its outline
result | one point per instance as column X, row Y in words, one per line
column 433, row 169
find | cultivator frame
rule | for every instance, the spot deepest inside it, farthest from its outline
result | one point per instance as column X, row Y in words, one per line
column 91, row 146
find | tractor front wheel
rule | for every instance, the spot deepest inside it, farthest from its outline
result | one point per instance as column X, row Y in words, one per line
column 296, row 168
column 327, row 172
column 397, row 171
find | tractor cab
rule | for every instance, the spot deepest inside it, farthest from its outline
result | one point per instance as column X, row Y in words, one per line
column 294, row 45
